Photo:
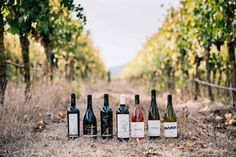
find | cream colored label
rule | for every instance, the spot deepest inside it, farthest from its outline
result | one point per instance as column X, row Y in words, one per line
column 137, row 129
column 73, row 124
column 154, row 128
column 123, row 126
column 170, row 129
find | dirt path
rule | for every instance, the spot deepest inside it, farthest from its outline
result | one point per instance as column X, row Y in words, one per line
column 196, row 137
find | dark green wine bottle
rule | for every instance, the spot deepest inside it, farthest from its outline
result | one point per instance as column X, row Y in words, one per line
column 106, row 119
column 73, row 118
column 153, row 118
column 89, row 122
column 122, row 121
column 170, row 120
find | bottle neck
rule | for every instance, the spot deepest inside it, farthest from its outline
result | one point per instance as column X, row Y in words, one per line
column 73, row 100
column 169, row 102
column 73, row 103
column 106, row 100
column 122, row 100
column 153, row 99
column 153, row 94
column 89, row 106
column 137, row 103
column 169, row 106
column 106, row 104
column 136, row 98
column 89, row 102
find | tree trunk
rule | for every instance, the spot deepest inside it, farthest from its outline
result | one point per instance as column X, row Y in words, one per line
column 208, row 76
column 24, row 41
column 3, row 67
column 214, row 76
column 47, row 49
column 231, row 46
column 219, row 80
column 227, row 84
column 72, row 70
column 169, row 78
column 197, row 88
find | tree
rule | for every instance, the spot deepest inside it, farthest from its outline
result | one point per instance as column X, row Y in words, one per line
column 189, row 36
column 203, row 23
column 54, row 26
column 22, row 16
column 229, row 15
column 3, row 66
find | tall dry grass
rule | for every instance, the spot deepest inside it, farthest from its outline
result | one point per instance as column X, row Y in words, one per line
column 19, row 118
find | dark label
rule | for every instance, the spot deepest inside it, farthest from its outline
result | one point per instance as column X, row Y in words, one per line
column 90, row 130
column 106, row 125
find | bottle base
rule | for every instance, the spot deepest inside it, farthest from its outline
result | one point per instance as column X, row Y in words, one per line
column 72, row 136
column 137, row 138
column 90, row 136
column 154, row 137
column 107, row 137
column 171, row 137
column 123, row 139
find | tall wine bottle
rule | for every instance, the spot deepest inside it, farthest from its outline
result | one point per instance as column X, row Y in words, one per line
column 90, row 122
column 122, row 117
column 106, row 119
column 170, row 120
column 137, row 121
column 73, row 117
column 153, row 118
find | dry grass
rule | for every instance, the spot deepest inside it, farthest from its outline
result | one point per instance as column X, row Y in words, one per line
column 19, row 118
column 20, row 138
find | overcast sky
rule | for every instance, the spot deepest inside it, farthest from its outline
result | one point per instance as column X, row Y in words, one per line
column 119, row 28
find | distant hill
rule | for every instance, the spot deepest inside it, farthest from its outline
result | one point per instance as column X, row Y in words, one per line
column 116, row 71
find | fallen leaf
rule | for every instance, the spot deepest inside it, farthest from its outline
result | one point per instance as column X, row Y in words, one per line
column 204, row 109
column 229, row 119
column 62, row 114
column 40, row 125
column 228, row 116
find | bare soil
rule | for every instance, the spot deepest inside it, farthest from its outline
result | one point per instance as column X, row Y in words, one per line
column 41, row 132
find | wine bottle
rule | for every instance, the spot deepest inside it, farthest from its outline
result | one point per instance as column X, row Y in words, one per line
column 106, row 119
column 137, row 121
column 73, row 117
column 90, row 122
column 122, row 121
column 170, row 120
column 153, row 118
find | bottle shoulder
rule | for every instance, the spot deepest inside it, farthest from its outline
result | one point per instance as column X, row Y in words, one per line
column 123, row 110
column 89, row 117
column 73, row 109
column 169, row 117
column 137, row 115
column 106, row 109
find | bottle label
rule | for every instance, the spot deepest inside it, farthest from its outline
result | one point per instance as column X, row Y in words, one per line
column 90, row 131
column 123, row 125
column 154, row 128
column 73, row 124
column 106, row 125
column 170, row 129
column 137, row 129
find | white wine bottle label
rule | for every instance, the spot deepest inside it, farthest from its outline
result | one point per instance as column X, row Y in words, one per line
column 137, row 129
column 170, row 129
column 73, row 124
column 154, row 128
column 123, row 125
